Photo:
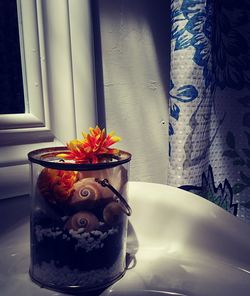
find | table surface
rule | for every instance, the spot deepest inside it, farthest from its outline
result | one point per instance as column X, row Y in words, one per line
column 182, row 245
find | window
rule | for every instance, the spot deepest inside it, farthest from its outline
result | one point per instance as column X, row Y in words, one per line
column 59, row 86
column 11, row 83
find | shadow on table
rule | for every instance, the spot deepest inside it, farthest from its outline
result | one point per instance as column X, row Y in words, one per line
column 13, row 213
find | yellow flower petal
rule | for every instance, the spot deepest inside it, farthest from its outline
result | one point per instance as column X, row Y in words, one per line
column 116, row 138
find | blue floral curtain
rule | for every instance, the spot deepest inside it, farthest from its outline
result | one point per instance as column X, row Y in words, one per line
column 210, row 101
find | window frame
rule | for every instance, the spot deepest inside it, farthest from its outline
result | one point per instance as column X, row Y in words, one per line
column 20, row 128
column 59, row 81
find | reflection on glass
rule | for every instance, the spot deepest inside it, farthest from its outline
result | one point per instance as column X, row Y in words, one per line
column 11, row 82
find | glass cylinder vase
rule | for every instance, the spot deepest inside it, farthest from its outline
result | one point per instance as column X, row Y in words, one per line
column 78, row 223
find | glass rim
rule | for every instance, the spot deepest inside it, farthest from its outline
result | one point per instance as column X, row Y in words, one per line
column 41, row 156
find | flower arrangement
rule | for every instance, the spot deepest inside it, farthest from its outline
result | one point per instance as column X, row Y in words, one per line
column 92, row 148
column 57, row 186
column 79, row 213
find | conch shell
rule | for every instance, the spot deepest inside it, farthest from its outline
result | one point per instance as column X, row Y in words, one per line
column 85, row 220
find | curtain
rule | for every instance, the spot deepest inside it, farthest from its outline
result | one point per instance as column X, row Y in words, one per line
column 209, row 124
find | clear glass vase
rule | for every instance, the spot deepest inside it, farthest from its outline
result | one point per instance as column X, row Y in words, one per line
column 78, row 221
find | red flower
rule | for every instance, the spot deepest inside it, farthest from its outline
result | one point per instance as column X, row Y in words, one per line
column 94, row 144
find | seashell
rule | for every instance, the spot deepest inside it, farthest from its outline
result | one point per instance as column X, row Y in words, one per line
column 85, row 220
column 114, row 175
column 113, row 213
column 102, row 192
column 86, row 193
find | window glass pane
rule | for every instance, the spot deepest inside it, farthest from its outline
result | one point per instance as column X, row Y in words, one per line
column 11, row 82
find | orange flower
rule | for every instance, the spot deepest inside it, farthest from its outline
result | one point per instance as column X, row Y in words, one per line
column 94, row 144
column 56, row 185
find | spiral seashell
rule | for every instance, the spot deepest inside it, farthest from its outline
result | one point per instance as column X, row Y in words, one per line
column 112, row 174
column 86, row 193
column 113, row 213
column 103, row 192
column 85, row 220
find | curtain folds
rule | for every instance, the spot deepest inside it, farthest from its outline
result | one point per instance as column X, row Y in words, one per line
column 209, row 124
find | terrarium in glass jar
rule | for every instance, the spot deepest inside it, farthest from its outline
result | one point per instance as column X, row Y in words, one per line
column 79, row 216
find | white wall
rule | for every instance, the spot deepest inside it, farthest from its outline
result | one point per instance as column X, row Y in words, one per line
column 135, row 54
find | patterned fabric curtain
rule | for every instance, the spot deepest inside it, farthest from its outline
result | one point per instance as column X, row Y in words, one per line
column 210, row 101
